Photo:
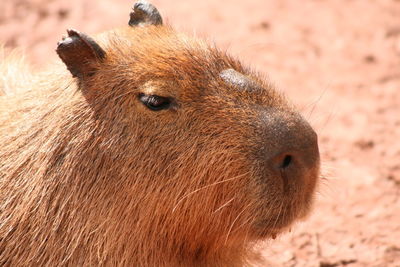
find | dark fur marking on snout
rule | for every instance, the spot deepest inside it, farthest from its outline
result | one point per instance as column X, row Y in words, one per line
column 237, row 79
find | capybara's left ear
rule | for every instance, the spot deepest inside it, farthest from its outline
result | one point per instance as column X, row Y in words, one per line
column 79, row 52
column 144, row 14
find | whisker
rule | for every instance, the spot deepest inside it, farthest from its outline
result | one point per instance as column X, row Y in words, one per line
column 313, row 104
column 234, row 221
column 224, row 205
column 204, row 187
column 328, row 119
column 241, row 225
column 279, row 214
column 253, row 219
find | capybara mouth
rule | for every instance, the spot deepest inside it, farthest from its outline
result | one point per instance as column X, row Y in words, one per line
column 277, row 223
column 288, row 195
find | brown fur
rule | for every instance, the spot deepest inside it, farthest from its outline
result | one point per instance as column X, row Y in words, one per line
column 89, row 175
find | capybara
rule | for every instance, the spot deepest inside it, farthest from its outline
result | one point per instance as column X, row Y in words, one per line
column 147, row 147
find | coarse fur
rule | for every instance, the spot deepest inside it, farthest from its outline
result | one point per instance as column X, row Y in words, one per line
column 90, row 176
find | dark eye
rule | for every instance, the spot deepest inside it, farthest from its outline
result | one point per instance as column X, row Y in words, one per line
column 155, row 102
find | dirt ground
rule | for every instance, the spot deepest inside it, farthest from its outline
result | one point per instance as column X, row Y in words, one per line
column 339, row 61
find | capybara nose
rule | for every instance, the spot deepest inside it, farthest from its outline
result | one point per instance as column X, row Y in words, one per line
column 296, row 157
column 283, row 161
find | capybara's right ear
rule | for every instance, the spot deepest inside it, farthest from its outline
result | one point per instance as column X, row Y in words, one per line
column 78, row 52
column 144, row 14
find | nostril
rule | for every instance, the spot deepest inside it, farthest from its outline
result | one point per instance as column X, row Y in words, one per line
column 287, row 160
column 283, row 161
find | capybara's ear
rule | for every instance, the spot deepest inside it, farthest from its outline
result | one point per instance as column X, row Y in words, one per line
column 78, row 52
column 143, row 14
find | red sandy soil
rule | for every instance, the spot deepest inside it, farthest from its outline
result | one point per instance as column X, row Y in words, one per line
column 339, row 61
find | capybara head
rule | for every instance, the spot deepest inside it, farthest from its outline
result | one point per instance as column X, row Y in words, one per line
column 159, row 150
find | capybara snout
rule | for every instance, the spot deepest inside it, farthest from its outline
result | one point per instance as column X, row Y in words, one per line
column 148, row 147
column 292, row 160
column 285, row 145
column 291, row 149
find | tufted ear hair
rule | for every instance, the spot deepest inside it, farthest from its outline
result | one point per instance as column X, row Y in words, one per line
column 78, row 51
column 143, row 14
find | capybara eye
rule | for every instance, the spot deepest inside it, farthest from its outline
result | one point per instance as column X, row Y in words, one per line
column 155, row 102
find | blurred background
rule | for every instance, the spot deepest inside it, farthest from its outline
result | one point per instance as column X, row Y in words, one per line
column 338, row 61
